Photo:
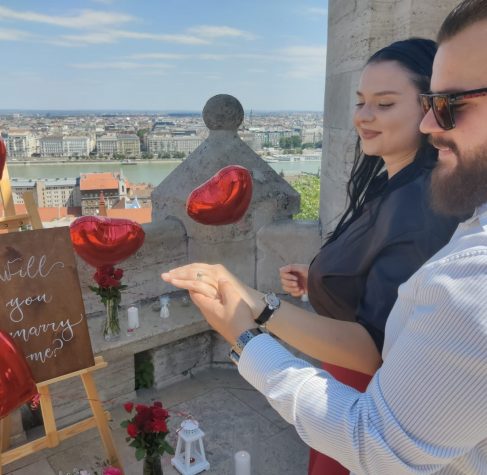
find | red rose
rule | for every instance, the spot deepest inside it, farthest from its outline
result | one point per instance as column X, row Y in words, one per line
column 132, row 430
column 160, row 426
column 104, row 281
column 128, row 406
column 141, row 408
column 148, row 426
column 106, row 269
column 113, row 282
column 159, row 414
column 157, row 404
column 118, row 274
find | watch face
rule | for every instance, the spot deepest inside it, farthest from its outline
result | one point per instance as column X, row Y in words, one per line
column 272, row 300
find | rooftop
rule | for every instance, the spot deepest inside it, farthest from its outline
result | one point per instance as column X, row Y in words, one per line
column 98, row 181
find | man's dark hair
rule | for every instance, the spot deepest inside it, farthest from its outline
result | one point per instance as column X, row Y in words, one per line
column 462, row 16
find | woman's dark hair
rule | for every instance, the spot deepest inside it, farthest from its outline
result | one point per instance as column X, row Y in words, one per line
column 416, row 56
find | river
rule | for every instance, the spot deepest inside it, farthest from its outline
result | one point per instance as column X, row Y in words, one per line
column 140, row 172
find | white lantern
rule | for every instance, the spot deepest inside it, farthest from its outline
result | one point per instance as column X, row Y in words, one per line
column 190, row 457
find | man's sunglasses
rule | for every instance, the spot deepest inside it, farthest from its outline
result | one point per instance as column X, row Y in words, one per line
column 443, row 104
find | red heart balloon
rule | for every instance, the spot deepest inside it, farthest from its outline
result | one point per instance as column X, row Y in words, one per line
column 17, row 385
column 105, row 241
column 3, row 157
column 223, row 199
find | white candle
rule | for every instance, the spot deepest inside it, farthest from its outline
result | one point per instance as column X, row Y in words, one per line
column 133, row 318
column 242, row 463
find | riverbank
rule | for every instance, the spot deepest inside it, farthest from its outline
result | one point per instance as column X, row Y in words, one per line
column 94, row 162
column 143, row 171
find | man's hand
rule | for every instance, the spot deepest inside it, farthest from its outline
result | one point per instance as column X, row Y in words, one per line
column 198, row 277
column 228, row 314
column 203, row 278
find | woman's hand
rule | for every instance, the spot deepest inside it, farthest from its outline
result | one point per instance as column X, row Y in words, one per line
column 294, row 279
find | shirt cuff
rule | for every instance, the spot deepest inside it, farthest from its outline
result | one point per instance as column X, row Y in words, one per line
column 261, row 356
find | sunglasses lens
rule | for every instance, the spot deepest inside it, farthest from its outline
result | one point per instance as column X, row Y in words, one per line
column 442, row 112
column 425, row 103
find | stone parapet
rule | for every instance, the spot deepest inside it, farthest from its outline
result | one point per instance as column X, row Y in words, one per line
column 273, row 198
column 284, row 242
column 253, row 248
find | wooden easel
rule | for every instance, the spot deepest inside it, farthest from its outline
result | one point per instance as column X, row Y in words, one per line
column 53, row 436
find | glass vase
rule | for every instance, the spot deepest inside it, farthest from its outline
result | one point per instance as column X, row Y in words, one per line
column 152, row 465
column 111, row 325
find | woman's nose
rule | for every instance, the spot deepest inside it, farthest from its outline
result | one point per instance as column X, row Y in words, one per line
column 364, row 113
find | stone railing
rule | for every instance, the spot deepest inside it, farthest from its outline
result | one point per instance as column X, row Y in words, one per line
column 254, row 248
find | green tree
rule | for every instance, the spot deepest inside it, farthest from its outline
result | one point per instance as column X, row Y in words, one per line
column 295, row 141
column 308, row 186
column 142, row 132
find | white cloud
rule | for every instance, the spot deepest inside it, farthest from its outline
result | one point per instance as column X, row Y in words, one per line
column 306, row 61
column 85, row 19
column 317, row 53
column 124, row 65
column 13, row 35
column 112, row 36
column 316, row 11
column 208, row 31
column 158, row 56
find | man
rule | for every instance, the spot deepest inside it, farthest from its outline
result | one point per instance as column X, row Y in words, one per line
column 425, row 410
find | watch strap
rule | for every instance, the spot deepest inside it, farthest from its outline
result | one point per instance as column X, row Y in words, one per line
column 265, row 315
column 242, row 340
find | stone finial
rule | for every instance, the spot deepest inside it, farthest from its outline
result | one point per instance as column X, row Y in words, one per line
column 223, row 112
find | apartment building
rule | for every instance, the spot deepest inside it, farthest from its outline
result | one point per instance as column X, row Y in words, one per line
column 76, row 146
column 49, row 192
column 107, row 145
column 271, row 137
column 51, row 146
column 67, row 146
column 124, row 144
column 162, row 143
column 20, row 143
column 129, row 145
column 313, row 135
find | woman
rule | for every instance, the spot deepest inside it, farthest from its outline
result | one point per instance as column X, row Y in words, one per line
column 388, row 229
column 387, row 232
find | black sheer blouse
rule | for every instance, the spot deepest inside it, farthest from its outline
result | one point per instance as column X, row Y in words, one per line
column 356, row 276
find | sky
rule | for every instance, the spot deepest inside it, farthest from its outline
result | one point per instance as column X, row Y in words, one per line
column 162, row 55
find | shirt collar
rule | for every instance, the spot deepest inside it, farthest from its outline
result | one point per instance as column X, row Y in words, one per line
column 480, row 215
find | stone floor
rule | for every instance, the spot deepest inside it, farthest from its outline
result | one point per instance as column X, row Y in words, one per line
column 231, row 413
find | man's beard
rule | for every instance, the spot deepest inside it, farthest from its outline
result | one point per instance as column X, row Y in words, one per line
column 458, row 191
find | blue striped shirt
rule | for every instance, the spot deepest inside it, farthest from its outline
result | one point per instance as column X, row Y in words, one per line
column 425, row 410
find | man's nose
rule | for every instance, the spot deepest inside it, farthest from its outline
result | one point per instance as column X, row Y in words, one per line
column 429, row 124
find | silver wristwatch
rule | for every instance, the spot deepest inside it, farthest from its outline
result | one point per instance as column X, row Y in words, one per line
column 242, row 340
column 272, row 303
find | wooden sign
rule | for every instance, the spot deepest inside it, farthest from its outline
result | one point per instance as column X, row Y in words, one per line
column 41, row 306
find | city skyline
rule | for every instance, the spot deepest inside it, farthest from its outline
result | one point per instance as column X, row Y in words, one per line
column 120, row 55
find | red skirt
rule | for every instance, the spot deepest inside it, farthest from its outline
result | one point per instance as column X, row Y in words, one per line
column 320, row 464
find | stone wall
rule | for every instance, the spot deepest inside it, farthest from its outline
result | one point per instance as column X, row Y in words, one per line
column 356, row 29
